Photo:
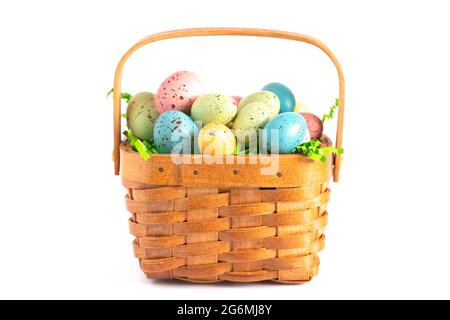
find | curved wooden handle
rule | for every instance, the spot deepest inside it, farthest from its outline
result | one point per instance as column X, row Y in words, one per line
column 225, row 32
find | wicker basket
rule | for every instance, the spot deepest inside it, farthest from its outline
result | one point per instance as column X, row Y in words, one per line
column 204, row 222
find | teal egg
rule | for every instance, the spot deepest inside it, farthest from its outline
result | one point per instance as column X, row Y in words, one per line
column 174, row 132
column 142, row 115
column 285, row 95
column 291, row 128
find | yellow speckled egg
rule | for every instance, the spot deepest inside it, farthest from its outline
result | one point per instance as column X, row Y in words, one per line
column 216, row 139
column 300, row 107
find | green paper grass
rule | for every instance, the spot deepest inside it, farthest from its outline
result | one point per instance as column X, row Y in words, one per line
column 329, row 115
column 124, row 95
column 313, row 150
column 144, row 148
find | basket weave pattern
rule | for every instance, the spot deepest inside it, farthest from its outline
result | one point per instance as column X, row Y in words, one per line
column 209, row 234
column 208, row 223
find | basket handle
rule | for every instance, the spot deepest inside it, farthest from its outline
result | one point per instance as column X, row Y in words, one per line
column 225, row 32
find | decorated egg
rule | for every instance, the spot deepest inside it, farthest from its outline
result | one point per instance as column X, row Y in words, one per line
column 284, row 132
column 300, row 107
column 267, row 97
column 249, row 120
column 141, row 115
column 247, row 137
column 315, row 125
column 253, row 115
column 325, row 141
column 237, row 99
column 287, row 98
column 211, row 108
column 178, row 92
column 216, row 139
column 173, row 132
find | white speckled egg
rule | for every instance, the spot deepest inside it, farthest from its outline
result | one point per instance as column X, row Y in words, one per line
column 211, row 108
column 216, row 139
column 142, row 115
column 178, row 92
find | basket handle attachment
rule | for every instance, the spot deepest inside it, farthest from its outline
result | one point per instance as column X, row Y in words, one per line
column 226, row 32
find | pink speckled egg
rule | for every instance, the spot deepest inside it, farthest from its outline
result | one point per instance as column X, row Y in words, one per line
column 326, row 141
column 237, row 99
column 315, row 125
column 178, row 92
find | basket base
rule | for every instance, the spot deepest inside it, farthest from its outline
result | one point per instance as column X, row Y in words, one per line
column 195, row 226
column 295, row 276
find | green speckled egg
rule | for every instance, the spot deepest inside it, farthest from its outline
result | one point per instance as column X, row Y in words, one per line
column 267, row 97
column 247, row 137
column 211, row 108
column 249, row 120
column 253, row 116
column 141, row 115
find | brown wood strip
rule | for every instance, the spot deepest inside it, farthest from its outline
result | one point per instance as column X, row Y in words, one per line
column 249, row 276
column 248, row 255
column 203, row 271
column 251, row 209
column 196, row 249
column 243, row 234
column 293, row 241
column 158, row 194
column 158, row 265
column 201, row 226
column 202, row 201
column 161, row 242
column 161, row 217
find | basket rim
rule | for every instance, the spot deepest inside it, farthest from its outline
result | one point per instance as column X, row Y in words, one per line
column 263, row 171
column 125, row 146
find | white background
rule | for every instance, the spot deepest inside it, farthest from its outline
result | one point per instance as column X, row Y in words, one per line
column 63, row 223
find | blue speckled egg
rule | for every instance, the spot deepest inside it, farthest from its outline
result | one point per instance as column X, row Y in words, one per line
column 173, row 132
column 285, row 95
column 292, row 131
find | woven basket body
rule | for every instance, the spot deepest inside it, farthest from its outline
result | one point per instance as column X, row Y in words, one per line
column 207, row 222
column 211, row 222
